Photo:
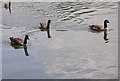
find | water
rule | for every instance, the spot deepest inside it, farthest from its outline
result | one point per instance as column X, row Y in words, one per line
column 73, row 52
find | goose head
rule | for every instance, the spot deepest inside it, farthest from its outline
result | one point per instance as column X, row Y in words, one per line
column 11, row 38
column 27, row 37
column 49, row 21
column 105, row 23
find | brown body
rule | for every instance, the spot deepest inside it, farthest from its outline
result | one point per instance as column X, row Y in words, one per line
column 97, row 27
column 45, row 26
column 19, row 41
column 16, row 41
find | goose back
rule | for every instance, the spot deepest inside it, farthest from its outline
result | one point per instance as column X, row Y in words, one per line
column 97, row 27
column 16, row 41
column 43, row 25
column 19, row 41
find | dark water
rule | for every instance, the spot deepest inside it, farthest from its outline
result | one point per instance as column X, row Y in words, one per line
column 74, row 51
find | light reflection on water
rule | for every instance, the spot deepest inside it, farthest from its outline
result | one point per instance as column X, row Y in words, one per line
column 73, row 51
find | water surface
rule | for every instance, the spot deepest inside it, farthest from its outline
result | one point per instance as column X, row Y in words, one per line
column 73, row 52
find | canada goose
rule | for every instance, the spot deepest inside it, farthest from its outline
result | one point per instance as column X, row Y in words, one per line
column 7, row 6
column 100, row 27
column 45, row 26
column 19, row 41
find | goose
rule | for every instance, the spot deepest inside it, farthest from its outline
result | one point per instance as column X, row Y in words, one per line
column 100, row 27
column 7, row 5
column 45, row 26
column 19, row 41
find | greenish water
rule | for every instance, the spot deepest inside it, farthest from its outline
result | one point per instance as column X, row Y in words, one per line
column 73, row 52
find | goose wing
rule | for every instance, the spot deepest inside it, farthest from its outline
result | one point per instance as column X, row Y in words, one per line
column 17, row 41
column 43, row 25
column 97, row 27
column 6, row 6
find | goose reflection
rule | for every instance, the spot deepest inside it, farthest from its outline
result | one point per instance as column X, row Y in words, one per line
column 7, row 6
column 19, row 47
column 105, row 37
column 9, row 10
column 26, row 51
column 48, row 33
column 16, row 46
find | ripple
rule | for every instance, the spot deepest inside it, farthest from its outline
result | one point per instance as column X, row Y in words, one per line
column 61, row 30
column 73, row 11
column 111, row 66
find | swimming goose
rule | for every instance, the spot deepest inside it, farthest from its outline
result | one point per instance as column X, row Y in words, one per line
column 45, row 26
column 7, row 5
column 100, row 27
column 19, row 41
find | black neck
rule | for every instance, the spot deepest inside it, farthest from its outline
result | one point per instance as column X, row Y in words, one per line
column 25, row 40
column 105, row 25
column 48, row 26
column 9, row 4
